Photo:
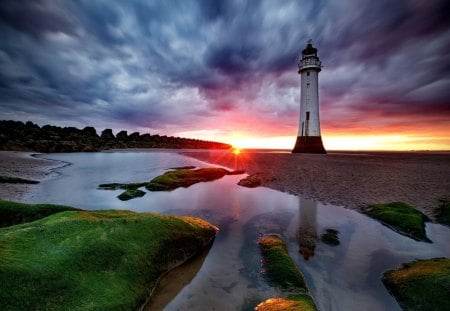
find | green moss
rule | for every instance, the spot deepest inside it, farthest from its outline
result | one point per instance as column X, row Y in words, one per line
column 278, row 266
column 281, row 272
column 421, row 285
column 103, row 260
column 13, row 213
column 116, row 186
column 400, row 217
column 330, row 237
column 130, row 194
column 443, row 212
column 185, row 178
column 293, row 303
column 16, row 180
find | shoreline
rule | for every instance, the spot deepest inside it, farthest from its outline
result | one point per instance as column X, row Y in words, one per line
column 27, row 165
column 349, row 179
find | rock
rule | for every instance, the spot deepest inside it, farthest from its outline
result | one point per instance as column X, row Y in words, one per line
column 251, row 181
column 130, row 194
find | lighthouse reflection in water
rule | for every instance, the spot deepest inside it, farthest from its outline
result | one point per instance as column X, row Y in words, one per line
column 307, row 231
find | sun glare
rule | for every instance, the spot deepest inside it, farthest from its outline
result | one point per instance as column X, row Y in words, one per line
column 236, row 151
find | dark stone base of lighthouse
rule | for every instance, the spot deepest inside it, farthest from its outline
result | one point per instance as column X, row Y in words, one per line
column 309, row 144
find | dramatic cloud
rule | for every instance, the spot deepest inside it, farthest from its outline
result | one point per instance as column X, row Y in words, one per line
column 216, row 68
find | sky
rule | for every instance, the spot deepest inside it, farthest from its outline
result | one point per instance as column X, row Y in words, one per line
column 227, row 70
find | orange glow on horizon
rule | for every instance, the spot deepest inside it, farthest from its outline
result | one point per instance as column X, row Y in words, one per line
column 381, row 142
column 356, row 141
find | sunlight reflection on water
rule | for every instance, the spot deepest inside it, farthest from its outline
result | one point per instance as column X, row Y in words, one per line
column 345, row 277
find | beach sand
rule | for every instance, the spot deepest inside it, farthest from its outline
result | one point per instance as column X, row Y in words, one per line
column 23, row 165
column 348, row 179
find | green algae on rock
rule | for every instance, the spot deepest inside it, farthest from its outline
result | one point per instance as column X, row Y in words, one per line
column 401, row 218
column 99, row 260
column 187, row 177
column 130, row 194
column 282, row 273
column 421, row 285
column 174, row 179
column 330, row 237
column 442, row 213
column 14, row 213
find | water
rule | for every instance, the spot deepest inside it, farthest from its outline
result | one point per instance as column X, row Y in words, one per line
column 345, row 277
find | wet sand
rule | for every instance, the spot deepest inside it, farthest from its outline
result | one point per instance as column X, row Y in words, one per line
column 23, row 165
column 348, row 179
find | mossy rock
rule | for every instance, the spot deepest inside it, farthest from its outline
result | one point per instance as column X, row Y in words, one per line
column 442, row 213
column 282, row 273
column 401, row 218
column 278, row 267
column 130, row 194
column 16, row 180
column 330, row 237
column 102, row 260
column 293, row 303
column 124, row 186
column 421, row 285
column 185, row 177
column 14, row 213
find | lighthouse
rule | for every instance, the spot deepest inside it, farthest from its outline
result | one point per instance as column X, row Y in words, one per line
column 309, row 139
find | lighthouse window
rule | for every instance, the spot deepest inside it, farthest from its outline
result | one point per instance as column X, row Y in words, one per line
column 307, row 73
column 307, row 115
column 307, row 84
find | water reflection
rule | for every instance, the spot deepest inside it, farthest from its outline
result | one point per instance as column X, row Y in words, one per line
column 173, row 282
column 307, row 231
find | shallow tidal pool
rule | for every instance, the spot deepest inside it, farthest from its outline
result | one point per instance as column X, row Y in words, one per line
column 228, row 277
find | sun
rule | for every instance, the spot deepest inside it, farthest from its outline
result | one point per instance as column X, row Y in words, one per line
column 236, row 151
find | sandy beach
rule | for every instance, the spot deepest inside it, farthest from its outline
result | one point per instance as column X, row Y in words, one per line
column 26, row 166
column 348, row 179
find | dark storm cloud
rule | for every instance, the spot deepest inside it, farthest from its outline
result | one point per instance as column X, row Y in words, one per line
column 172, row 65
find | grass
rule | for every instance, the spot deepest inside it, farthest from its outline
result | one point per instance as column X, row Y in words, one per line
column 330, row 237
column 101, row 260
column 421, row 285
column 12, row 213
column 130, row 194
column 442, row 213
column 281, row 272
column 400, row 217
column 16, row 180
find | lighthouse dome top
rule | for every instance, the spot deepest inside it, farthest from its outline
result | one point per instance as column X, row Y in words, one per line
column 309, row 50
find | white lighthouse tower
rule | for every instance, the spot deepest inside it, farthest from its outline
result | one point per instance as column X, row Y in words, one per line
column 309, row 139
